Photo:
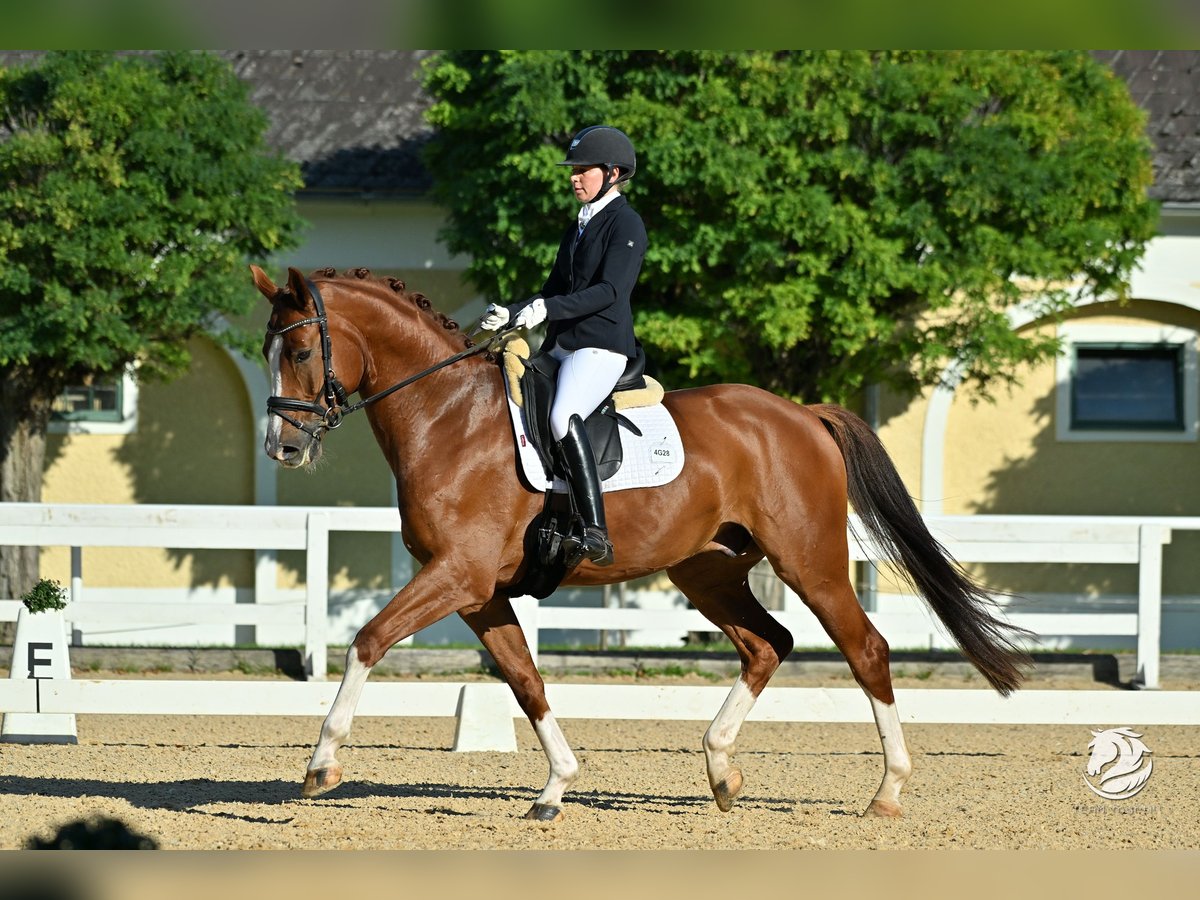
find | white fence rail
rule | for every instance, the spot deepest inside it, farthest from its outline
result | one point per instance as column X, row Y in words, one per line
column 1134, row 541
column 485, row 712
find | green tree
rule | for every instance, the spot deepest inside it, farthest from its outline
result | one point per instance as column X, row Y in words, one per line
column 132, row 190
column 818, row 221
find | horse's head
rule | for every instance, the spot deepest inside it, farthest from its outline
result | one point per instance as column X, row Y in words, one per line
column 307, row 394
column 1107, row 745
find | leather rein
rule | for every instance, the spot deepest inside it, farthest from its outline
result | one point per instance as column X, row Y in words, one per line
column 334, row 409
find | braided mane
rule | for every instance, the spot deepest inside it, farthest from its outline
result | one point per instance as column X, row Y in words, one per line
column 398, row 286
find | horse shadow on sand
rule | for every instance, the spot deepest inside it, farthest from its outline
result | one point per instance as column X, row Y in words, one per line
column 277, row 798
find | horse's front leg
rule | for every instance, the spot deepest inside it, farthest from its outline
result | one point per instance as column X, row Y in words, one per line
column 497, row 627
column 435, row 592
column 324, row 771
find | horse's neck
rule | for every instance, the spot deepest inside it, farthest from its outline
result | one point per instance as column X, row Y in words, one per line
column 423, row 424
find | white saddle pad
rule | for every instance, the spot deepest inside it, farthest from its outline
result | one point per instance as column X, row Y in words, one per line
column 653, row 459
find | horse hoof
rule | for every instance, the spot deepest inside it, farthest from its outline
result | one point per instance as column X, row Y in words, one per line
column 541, row 812
column 321, row 781
column 726, row 792
column 883, row 809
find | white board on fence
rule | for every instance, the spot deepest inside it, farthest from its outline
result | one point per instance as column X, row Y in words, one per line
column 594, row 701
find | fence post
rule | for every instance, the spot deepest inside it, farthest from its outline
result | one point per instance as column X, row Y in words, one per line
column 316, row 606
column 76, row 590
column 1151, row 539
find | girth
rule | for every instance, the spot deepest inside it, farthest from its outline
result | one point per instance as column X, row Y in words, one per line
column 539, row 383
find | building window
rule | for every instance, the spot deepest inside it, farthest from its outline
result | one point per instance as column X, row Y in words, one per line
column 101, row 406
column 97, row 401
column 1127, row 386
column 1119, row 383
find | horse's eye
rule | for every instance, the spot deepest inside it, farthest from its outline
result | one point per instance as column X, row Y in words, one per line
column 303, row 356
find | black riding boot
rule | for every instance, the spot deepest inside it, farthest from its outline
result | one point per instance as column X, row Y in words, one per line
column 584, row 483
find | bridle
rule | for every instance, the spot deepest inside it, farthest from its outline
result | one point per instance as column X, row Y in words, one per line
column 334, row 393
column 334, row 410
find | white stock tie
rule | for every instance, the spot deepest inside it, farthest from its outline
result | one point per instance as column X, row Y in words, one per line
column 585, row 215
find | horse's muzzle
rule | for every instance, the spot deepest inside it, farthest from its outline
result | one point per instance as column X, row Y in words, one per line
column 300, row 450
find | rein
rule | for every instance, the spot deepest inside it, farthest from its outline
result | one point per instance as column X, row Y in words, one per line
column 334, row 394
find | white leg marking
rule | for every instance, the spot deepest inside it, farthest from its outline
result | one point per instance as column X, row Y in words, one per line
column 564, row 768
column 722, row 734
column 274, row 423
column 897, row 765
column 336, row 728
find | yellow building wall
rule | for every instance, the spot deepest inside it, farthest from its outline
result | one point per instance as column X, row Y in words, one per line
column 193, row 444
column 1003, row 456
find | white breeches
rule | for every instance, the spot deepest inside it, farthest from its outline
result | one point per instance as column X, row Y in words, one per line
column 585, row 379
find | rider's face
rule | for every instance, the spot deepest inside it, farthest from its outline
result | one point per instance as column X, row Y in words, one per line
column 586, row 181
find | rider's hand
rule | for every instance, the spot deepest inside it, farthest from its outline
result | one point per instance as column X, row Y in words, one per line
column 494, row 318
column 532, row 315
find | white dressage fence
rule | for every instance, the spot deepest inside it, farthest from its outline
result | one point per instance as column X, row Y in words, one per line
column 485, row 712
column 197, row 527
column 1135, row 541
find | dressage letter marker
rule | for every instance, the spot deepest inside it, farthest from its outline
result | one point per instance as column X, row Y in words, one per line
column 35, row 660
column 39, row 654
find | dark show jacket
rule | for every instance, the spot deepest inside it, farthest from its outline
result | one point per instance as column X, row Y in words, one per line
column 588, row 291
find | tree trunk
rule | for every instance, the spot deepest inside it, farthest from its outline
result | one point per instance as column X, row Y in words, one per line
column 24, row 415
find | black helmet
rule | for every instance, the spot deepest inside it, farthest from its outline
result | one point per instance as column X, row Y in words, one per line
column 602, row 145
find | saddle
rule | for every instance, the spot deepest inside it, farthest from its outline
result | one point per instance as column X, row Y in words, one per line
column 533, row 384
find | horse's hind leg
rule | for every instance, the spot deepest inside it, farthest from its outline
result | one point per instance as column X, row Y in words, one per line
column 497, row 627
column 823, row 583
column 715, row 582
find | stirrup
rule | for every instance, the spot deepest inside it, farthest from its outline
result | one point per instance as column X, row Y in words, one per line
column 596, row 546
column 593, row 545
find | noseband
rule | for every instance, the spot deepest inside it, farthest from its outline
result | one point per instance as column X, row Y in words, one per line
column 332, row 391
column 335, row 409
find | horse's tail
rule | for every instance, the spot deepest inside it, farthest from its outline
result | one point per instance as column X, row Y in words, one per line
column 886, row 509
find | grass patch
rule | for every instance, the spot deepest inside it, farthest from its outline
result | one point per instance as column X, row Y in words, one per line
column 677, row 671
column 248, row 668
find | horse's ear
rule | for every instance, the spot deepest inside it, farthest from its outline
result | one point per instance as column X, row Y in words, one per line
column 263, row 282
column 298, row 288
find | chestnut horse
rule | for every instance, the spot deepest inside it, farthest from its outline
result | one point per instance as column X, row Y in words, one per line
column 763, row 477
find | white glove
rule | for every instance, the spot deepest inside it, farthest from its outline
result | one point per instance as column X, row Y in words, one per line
column 494, row 317
column 532, row 315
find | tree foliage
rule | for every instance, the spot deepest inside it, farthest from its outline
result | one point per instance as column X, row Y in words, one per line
column 132, row 190
column 818, row 221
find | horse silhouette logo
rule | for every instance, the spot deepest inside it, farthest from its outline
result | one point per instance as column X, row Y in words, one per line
column 1120, row 764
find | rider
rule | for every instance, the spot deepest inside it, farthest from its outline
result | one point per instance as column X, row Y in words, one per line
column 586, row 300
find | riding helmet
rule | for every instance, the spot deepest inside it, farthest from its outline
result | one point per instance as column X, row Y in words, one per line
column 602, row 145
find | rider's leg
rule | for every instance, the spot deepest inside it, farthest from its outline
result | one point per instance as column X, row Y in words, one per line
column 585, row 490
column 585, row 380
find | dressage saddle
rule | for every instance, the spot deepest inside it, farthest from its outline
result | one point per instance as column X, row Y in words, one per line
column 539, row 382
